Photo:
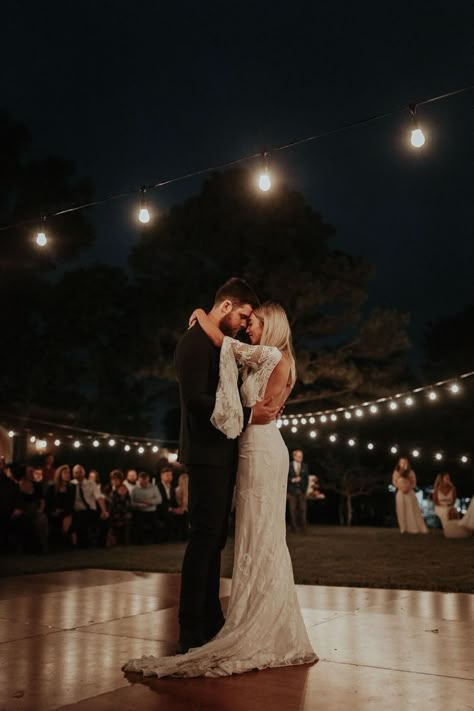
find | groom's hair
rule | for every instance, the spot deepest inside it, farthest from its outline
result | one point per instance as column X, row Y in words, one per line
column 238, row 291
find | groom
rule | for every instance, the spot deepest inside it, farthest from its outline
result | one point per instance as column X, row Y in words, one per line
column 211, row 461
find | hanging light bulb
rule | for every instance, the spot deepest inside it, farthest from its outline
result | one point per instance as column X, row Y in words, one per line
column 57, row 442
column 432, row 395
column 77, row 444
column 127, row 448
column 303, row 420
column 111, row 443
column 394, row 449
column 323, row 418
column 312, row 420
column 155, row 449
column 351, row 442
column 417, row 136
column 393, row 405
column 333, row 417
column 347, row 415
column 143, row 215
column 141, row 450
column 332, row 438
column 95, row 443
column 370, row 446
column 264, row 180
column 313, row 434
column 294, row 430
column 11, row 434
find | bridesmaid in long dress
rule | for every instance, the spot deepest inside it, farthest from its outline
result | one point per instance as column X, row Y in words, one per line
column 409, row 515
column 444, row 496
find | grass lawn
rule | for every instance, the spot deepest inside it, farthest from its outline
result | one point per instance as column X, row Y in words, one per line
column 327, row 555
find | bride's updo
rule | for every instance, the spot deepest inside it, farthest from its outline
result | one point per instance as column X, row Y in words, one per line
column 276, row 331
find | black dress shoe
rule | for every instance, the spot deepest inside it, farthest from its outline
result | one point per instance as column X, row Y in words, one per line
column 184, row 645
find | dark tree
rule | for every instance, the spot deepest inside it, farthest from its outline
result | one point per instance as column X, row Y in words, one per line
column 282, row 247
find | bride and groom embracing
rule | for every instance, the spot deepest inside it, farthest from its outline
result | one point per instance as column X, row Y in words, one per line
column 231, row 393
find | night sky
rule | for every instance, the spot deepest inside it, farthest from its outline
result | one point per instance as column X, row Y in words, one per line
column 138, row 92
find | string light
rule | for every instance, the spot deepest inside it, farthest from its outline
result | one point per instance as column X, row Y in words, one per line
column 294, row 430
column 393, row 450
column 347, row 415
column 41, row 239
column 373, row 409
column 264, row 180
column 455, row 389
column 359, row 412
column 95, row 443
column 304, row 421
column 127, row 448
column 438, row 456
column 409, row 401
column 11, row 434
column 332, row 438
column 33, row 439
column 417, row 139
column 333, row 417
column 415, row 453
column 393, row 405
column 370, row 445
column 432, row 395
column 57, row 442
column 77, row 444
column 111, row 443
column 351, row 442
column 140, row 450
column 144, row 214
column 323, row 418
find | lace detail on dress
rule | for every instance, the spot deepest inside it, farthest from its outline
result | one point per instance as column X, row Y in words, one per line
column 257, row 364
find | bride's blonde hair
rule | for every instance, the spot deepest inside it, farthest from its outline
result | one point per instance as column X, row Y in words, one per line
column 276, row 332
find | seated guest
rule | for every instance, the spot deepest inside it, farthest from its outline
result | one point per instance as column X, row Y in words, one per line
column 60, row 504
column 10, row 509
column 49, row 469
column 87, row 505
column 467, row 520
column 131, row 480
column 145, row 500
column 39, row 479
column 120, row 510
column 34, row 522
column 453, row 528
column 175, row 518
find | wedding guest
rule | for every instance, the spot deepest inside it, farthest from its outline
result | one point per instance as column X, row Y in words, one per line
column 60, row 504
column 175, row 518
column 444, row 496
column 33, row 520
column 87, row 505
column 145, row 499
column 467, row 520
column 38, row 478
column 49, row 469
column 10, row 509
column 131, row 480
column 409, row 515
column 296, row 491
column 120, row 511
column 182, row 491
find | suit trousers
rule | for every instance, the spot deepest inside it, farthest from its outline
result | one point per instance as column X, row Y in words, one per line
column 210, row 498
column 297, row 509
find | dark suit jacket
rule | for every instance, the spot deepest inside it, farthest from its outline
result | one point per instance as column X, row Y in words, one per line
column 172, row 501
column 197, row 366
column 302, row 486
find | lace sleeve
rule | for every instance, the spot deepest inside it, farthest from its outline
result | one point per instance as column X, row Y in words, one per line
column 257, row 363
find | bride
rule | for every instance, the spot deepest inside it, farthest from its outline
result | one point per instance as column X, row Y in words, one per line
column 264, row 627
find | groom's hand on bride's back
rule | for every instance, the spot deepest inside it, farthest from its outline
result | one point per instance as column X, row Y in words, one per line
column 264, row 412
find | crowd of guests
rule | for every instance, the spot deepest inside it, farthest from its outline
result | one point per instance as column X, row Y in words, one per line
column 56, row 506
column 409, row 516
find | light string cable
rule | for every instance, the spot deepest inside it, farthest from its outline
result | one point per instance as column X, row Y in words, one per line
column 8, row 417
column 221, row 166
column 330, row 415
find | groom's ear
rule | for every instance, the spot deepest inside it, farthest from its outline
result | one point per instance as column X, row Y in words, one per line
column 226, row 306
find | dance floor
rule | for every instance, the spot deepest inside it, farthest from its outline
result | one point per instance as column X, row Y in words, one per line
column 64, row 636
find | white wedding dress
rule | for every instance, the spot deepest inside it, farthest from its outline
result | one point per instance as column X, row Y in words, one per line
column 264, row 627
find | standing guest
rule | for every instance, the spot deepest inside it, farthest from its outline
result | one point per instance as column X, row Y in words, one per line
column 444, row 497
column 120, row 511
column 60, row 504
column 87, row 505
column 175, row 518
column 34, row 521
column 409, row 515
column 95, row 478
column 182, row 491
column 296, row 492
column 145, row 499
column 49, row 469
column 131, row 480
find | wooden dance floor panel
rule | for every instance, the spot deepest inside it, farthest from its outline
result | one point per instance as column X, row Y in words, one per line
column 64, row 637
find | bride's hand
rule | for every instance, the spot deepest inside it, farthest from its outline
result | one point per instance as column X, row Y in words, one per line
column 195, row 316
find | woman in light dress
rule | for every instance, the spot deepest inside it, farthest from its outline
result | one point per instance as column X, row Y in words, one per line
column 467, row 520
column 444, row 496
column 409, row 515
column 264, row 626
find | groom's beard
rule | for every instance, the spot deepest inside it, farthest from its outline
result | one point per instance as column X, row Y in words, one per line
column 226, row 326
